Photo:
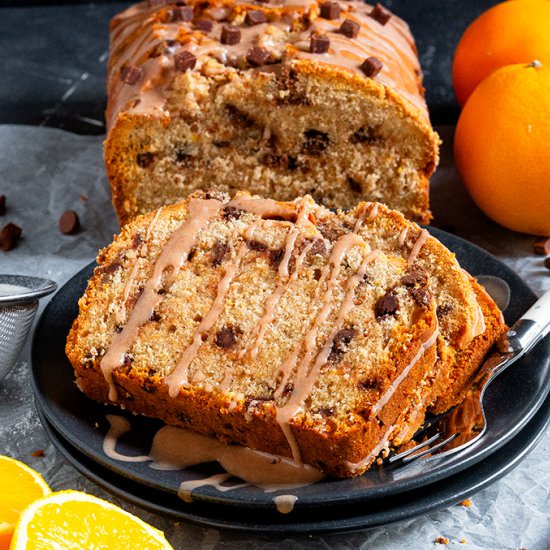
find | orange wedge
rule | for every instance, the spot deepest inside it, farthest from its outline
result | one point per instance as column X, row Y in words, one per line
column 71, row 519
column 19, row 486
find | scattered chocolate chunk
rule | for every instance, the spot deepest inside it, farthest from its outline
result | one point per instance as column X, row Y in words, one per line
column 2, row 205
column 369, row 383
column 255, row 17
column 39, row 453
column 257, row 56
column 155, row 317
column 204, row 25
column 137, row 241
column 182, row 13
column 276, row 256
column 364, row 135
column 413, row 278
column 185, row 61
column 341, row 342
column 354, row 185
column 232, row 213
column 349, row 28
column 219, row 251
column 257, row 245
column 9, row 236
column 319, row 43
column 421, row 296
column 226, row 338
column 380, row 14
column 230, row 35
column 541, row 245
column 130, row 74
column 239, row 117
column 316, row 142
column 444, row 309
column 330, row 10
column 69, row 222
column 288, row 389
column 547, row 262
column 371, row 66
column 145, row 159
column 387, row 305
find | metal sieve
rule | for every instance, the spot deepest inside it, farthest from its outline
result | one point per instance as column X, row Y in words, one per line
column 19, row 296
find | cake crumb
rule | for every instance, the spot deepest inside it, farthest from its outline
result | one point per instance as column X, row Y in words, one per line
column 84, row 198
column 466, row 503
column 441, row 540
column 462, row 541
column 38, row 453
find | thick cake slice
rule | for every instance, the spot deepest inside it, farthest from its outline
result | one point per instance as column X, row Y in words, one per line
column 279, row 99
column 280, row 325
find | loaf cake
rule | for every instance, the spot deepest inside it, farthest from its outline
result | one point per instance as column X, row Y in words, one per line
column 279, row 98
column 281, row 326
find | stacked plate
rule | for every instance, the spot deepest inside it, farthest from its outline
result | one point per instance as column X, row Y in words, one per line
column 517, row 408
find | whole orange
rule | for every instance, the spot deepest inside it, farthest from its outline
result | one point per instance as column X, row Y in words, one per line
column 502, row 147
column 516, row 31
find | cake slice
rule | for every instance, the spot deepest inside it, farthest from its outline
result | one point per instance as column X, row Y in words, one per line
column 281, row 99
column 281, row 326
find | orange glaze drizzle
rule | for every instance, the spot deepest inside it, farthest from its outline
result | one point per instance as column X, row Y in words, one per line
column 422, row 238
column 173, row 256
column 403, row 236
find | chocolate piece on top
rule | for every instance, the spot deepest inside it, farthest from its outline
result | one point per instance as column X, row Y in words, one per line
column 204, row 25
column 257, row 56
column 226, row 338
column 349, row 28
column 371, row 66
column 130, row 74
column 386, row 305
column 184, row 61
column 9, row 236
column 2, row 205
column 330, row 10
column 255, row 17
column 319, row 43
column 183, row 13
column 380, row 14
column 69, row 222
column 230, row 35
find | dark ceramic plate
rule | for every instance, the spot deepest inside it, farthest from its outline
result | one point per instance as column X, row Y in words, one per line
column 346, row 517
column 511, row 401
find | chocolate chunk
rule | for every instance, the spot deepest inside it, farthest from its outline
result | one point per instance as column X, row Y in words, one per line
column 232, row 213
column 369, row 384
column 421, row 296
column 330, row 10
column 288, row 389
column 219, row 251
column 145, row 159
column 371, row 66
column 364, row 135
column 239, row 117
column 255, row 17
column 316, row 142
column 130, row 74
column 342, row 338
column 349, row 28
column 155, row 317
column 230, row 35
column 2, row 205
column 547, row 262
column 386, row 305
column 9, row 236
column 256, row 245
column 380, row 14
column 276, row 256
column 137, row 241
column 541, row 245
column 182, row 13
column 109, row 268
column 354, row 185
column 319, row 43
column 413, row 278
column 69, row 222
column 226, row 338
column 204, row 25
column 185, row 61
column 444, row 309
column 257, row 56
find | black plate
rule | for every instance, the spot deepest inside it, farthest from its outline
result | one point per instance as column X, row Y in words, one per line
column 343, row 518
column 511, row 401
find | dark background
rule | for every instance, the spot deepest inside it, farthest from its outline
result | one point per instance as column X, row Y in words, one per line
column 53, row 57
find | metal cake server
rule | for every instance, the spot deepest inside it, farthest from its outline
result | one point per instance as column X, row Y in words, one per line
column 464, row 424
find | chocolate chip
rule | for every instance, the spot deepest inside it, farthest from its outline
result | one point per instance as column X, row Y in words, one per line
column 288, row 389
column 257, row 56
column 421, row 296
column 137, row 241
column 542, row 246
column 255, row 17
column 369, row 384
column 239, row 117
column 145, row 159
column 184, row 61
column 9, row 236
column 547, row 262
column 342, row 340
column 230, row 35
column 130, row 74
column 257, row 245
column 276, row 256
column 330, row 10
column 204, row 25
column 316, row 142
column 69, row 222
column 354, row 185
column 349, row 28
column 219, row 251
column 232, row 213
column 226, row 338
column 386, row 305
column 371, row 66
column 319, row 43
column 2, row 205
column 364, row 135
column 380, row 14
column 182, row 13
column 444, row 309
column 155, row 317
column 413, row 278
